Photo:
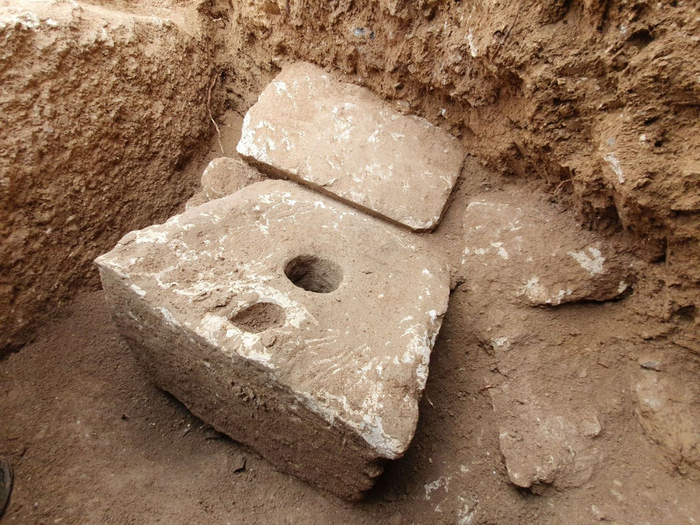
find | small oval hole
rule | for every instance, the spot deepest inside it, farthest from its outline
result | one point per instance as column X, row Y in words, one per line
column 259, row 317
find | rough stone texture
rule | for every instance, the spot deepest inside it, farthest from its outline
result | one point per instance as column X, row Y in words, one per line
column 544, row 442
column 227, row 175
column 326, row 383
column 668, row 408
column 224, row 176
column 345, row 141
column 538, row 253
column 99, row 112
column 600, row 94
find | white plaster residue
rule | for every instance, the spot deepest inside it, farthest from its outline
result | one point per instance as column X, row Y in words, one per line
column 466, row 514
column 500, row 249
column 139, row 291
column 25, row 20
column 342, row 128
column 473, row 50
column 561, row 294
column 477, row 203
column 151, row 235
column 421, row 342
column 614, row 163
column 397, row 136
column 281, row 88
column 500, row 342
column 374, row 137
column 442, row 481
column 536, row 292
column 365, row 420
column 167, row 315
column 112, row 265
column 249, row 147
column 210, row 326
column 592, row 263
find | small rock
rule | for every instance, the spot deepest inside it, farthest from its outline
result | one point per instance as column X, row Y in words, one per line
column 668, row 409
column 268, row 339
column 590, row 427
column 239, row 464
column 543, row 442
column 650, row 363
column 225, row 175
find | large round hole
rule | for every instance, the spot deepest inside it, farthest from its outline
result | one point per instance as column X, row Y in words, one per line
column 314, row 274
column 259, row 317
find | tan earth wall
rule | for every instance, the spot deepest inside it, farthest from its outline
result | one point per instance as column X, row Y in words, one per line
column 99, row 112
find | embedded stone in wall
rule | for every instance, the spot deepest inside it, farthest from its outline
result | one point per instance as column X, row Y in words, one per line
column 224, row 176
column 227, row 175
column 291, row 322
column 537, row 253
column 345, row 141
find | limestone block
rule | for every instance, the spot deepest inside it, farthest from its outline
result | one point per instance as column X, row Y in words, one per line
column 291, row 322
column 345, row 141
column 538, row 254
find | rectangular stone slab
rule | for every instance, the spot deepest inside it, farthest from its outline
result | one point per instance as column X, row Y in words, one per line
column 345, row 141
column 291, row 322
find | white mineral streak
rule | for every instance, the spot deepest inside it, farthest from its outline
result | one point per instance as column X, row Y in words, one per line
column 592, row 263
column 614, row 163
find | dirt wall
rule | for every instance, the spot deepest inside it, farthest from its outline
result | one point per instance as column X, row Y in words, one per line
column 598, row 99
column 100, row 110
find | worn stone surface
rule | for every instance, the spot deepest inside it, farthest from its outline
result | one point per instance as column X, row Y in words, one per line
column 342, row 139
column 322, row 377
column 668, row 408
column 227, row 175
column 537, row 253
column 224, row 176
column 544, row 442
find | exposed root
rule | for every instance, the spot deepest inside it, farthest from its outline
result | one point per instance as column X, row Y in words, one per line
column 218, row 131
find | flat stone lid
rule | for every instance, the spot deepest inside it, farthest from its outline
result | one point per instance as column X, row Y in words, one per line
column 356, row 349
column 344, row 140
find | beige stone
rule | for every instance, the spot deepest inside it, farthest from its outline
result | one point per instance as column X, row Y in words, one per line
column 227, row 175
column 343, row 140
column 291, row 322
column 537, row 254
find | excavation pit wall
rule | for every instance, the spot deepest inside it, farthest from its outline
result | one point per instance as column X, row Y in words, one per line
column 101, row 112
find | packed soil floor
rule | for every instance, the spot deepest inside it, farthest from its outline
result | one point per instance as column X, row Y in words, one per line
column 93, row 441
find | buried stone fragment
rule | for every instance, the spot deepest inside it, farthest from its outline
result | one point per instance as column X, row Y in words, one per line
column 535, row 253
column 224, row 176
column 290, row 322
